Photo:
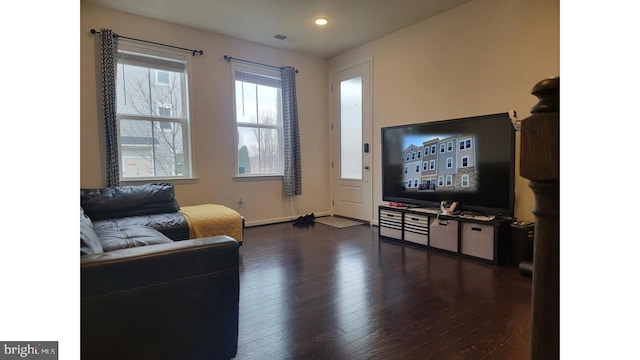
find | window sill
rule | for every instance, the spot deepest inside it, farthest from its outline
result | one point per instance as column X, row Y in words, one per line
column 258, row 177
column 173, row 180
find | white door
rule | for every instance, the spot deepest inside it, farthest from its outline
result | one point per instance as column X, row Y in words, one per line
column 351, row 142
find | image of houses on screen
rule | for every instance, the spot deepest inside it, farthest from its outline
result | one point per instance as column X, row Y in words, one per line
column 441, row 164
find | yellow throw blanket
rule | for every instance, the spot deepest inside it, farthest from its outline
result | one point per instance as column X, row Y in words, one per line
column 212, row 220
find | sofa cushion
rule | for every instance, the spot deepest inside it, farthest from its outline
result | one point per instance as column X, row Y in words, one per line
column 124, row 201
column 89, row 241
column 130, row 236
column 172, row 225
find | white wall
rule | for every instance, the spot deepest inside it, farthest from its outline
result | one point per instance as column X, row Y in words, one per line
column 482, row 57
column 212, row 118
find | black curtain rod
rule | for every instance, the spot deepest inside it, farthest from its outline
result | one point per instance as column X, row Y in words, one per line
column 229, row 58
column 193, row 52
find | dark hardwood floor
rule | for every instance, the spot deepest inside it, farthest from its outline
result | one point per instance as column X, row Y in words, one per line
column 320, row 292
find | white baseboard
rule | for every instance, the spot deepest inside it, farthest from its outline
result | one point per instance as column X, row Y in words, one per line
column 281, row 219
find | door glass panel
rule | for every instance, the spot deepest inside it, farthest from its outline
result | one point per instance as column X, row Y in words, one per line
column 351, row 128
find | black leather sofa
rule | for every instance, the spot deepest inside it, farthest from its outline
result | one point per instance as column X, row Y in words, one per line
column 146, row 295
column 148, row 205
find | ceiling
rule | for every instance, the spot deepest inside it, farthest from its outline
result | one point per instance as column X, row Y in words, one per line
column 351, row 22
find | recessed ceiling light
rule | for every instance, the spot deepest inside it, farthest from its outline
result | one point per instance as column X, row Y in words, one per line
column 321, row 21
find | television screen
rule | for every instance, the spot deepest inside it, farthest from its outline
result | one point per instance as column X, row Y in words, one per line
column 468, row 160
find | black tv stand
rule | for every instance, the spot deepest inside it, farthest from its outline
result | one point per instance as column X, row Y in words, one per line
column 402, row 205
column 474, row 235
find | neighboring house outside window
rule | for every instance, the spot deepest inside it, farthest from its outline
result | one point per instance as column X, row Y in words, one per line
column 258, row 117
column 152, row 112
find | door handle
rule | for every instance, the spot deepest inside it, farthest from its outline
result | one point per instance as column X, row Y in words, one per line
column 366, row 167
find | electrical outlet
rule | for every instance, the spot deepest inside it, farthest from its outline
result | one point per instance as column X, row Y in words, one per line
column 240, row 202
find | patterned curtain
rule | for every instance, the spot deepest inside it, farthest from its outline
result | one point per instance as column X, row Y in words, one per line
column 108, row 52
column 292, row 184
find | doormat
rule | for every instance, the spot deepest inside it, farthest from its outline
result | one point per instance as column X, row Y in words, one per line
column 338, row 222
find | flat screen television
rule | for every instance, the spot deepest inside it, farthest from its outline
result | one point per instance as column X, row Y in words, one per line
column 468, row 160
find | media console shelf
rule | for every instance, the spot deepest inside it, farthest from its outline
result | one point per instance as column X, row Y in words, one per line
column 477, row 239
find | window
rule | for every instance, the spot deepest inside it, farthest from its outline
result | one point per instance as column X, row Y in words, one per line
column 465, row 161
column 163, row 78
column 432, row 165
column 442, row 148
column 465, row 181
column 406, row 169
column 418, row 168
column 258, row 113
column 450, row 146
column 449, row 180
column 164, row 110
column 433, row 149
column 441, row 180
column 449, row 163
column 425, row 166
column 152, row 112
column 465, row 144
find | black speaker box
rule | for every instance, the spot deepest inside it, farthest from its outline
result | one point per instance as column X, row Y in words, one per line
column 521, row 243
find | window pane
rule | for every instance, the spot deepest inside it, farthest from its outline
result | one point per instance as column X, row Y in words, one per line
column 149, row 92
column 269, row 151
column 167, row 95
column 168, row 149
column 267, row 105
column 133, row 90
column 151, row 148
column 351, row 128
column 136, row 144
column 246, row 102
column 248, row 150
column 259, row 151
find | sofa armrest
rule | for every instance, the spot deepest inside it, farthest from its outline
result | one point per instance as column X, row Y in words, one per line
column 128, row 269
column 175, row 300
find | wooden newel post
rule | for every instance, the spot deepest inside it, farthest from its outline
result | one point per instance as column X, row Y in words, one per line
column 540, row 163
